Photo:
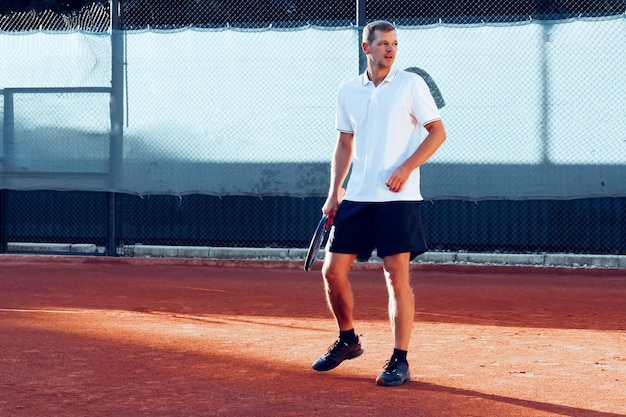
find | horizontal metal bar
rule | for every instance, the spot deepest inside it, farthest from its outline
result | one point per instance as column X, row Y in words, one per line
column 55, row 90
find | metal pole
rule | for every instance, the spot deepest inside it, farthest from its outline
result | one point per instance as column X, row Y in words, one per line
column 116, row 136
column 547, row 8
column 4, row 235
column 360, row 24
column 8, row 129
column 7, row 153
column 545, row 93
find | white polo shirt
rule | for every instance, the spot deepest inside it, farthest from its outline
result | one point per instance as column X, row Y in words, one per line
column 387, row 125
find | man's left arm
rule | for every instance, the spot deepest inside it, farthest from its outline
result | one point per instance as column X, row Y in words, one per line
column 433, row 140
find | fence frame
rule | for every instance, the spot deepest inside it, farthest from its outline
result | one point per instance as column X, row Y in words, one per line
column 117, row 116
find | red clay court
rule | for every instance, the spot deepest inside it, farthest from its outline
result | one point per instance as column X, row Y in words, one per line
column 90, row 336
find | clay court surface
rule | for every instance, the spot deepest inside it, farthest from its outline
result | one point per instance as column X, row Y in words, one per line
column 88, row 336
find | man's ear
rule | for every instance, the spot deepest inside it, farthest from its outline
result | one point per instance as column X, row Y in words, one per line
column 365, row 47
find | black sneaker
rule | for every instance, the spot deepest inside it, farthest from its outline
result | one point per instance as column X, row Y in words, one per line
column 394, row 373
column 337, row 353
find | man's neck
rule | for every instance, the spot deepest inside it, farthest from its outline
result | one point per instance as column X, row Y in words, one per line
column 377, row 75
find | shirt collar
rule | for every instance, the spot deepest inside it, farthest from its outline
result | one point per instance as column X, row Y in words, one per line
column 389, row 78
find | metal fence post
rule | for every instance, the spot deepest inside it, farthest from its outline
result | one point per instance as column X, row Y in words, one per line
column 361, row 21
column 8, row 127
column 117, row 124
column 4, row 244
column 7, row 150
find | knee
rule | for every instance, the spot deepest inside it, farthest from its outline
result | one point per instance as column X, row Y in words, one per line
column 332, row 274
column 398, row 282
column 336, row 267
column 399, row 287
column 398, row 278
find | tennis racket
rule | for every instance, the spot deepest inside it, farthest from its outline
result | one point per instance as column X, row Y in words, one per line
column 316, row 241
column 432, row 86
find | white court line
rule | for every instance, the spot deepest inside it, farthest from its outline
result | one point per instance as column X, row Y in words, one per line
column 22, row 310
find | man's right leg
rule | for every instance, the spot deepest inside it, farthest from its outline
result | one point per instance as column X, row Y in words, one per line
column 338, row 290
column 341, row 303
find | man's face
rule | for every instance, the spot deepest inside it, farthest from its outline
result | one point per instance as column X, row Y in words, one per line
column 382, row 50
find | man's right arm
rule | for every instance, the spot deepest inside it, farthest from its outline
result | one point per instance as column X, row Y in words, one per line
column 340, row 165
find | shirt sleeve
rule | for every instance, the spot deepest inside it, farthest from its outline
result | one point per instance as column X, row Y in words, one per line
column 424, row 107
column 342, row 118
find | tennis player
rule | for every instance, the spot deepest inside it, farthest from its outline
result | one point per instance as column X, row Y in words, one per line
column 380, row 115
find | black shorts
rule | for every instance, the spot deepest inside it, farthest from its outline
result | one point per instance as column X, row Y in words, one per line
column 391, row 228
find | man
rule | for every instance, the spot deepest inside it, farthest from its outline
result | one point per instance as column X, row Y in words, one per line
column 379, row 118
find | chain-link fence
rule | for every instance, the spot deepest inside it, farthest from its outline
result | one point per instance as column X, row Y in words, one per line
column 527, row 226
column 93, row 18
column 225, row 117
column 288, row 13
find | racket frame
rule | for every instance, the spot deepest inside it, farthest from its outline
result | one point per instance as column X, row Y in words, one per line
column 319, row 236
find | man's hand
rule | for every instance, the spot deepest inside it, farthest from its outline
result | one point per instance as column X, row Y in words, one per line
column 332, row 202
column 397, row 179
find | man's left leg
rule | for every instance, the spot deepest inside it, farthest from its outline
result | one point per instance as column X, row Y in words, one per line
column 401, row 316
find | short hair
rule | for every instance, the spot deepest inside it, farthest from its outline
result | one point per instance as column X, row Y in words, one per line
column 369, row 31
